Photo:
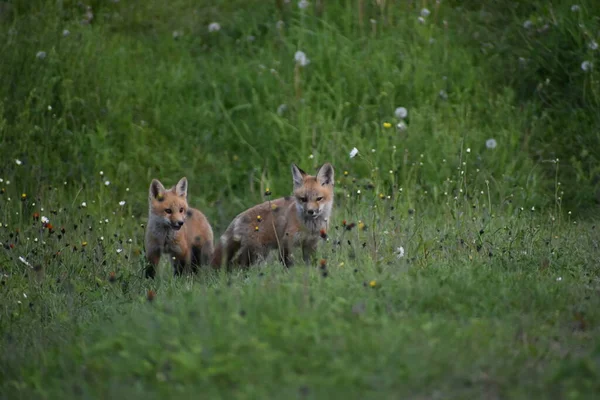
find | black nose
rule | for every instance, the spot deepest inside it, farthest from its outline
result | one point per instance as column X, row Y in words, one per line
column 180, row 223
column 311, row 212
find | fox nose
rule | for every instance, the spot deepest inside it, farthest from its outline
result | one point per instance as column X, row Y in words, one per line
column 180, row 223
column 311, row 212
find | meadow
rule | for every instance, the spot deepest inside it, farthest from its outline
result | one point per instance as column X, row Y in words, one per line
column 463, row 257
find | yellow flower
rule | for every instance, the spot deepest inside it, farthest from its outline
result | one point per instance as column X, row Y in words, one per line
column 361, row 225
column 345, row 173
column 387, row 125
column 24, row 196
column 341, row 264
column 273, row 206
column 381, row 196
column 258, row 218
column 256, row 228
column 373, row 283
column 84, row 244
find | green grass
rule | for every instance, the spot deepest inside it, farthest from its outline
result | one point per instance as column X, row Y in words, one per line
column 495, row 295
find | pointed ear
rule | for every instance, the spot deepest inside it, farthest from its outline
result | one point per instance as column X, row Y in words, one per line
column 156, row 188
column 181, row 187
column 325, row 174
column 298, row 176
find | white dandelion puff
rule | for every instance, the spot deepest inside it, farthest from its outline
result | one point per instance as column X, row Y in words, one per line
column 301, row 58
column 214, row 27
column 401, row 113
column 353, row 152
column 575, row 8
column 425, row 13
column 122, row 203
column 303, row 4
column 18, row 162
column 586, row 66
column 40, row 55
column 83, row 204
column 66, row 32
column 593, row 45
column 491, row 143
column 106, row 183
column 421, row 20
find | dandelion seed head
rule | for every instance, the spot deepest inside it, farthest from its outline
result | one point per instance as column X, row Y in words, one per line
column 303, row 4
column 421, row 20
column 214, row 27
column 18, row 162
column 40, row 55
column 301, row 58
column 575, row 8
column 491, row 143
column 593, row 45
column 65, row 32
column 425, row 13
column 586, row 66
column 401, row 112
column 83, row 204
column 106, row 183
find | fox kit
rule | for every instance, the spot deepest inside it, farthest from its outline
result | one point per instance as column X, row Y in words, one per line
column 176, row 229
column 283, row 224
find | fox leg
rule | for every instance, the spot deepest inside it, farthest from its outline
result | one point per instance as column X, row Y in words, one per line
column 152, row 260
column 308, row 251
column 285, row 256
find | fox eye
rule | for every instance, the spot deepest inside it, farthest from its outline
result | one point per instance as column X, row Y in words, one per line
column 181, row 210
column 303, row 199
column 168, row 211
column 319, row 198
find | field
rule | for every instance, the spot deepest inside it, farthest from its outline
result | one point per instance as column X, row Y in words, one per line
column 463, row 259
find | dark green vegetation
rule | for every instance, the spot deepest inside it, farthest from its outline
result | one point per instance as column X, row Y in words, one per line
column 495, row 293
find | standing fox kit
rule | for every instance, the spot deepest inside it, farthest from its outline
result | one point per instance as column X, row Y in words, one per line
column 282, row 224
column 176, row 229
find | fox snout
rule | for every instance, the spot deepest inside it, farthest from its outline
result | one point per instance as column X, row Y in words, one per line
column 312, row 211
column 177, row 225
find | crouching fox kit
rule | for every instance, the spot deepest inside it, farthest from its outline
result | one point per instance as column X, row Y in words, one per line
column 282, row 224
column 176, row 229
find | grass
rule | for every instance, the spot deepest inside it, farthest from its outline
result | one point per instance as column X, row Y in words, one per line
column 493, row 294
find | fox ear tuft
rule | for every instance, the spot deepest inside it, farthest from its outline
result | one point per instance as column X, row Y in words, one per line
column 156, row 189
column 325, row 174
column 298, row 176
column 182, row 187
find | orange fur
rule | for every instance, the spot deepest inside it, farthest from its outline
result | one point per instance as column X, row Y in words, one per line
column 176, row 229
column 282, row 224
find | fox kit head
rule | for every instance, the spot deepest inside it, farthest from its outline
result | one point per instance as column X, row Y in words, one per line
column 169, row 207
column 313, row 194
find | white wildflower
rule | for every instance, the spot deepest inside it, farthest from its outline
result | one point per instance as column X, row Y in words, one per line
column 301, row 58
column 303, row 4
column 66, row 32
column 491, row 143
column 401, row 126
column 399, row 252
column 83, row 204
column 119, row 251
column 593, row 45
column 527, row 24
column 559, row 279
column 106, row 183
column 44, row 220
column 353, row 152
column 575, row 8
column 122, row 203
column 19, row 162
column 101, row 173
column 468, row 149
column 421, row 20
column 401, row 113
column 41, row 55
column 214, row 27
column 425, row 13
